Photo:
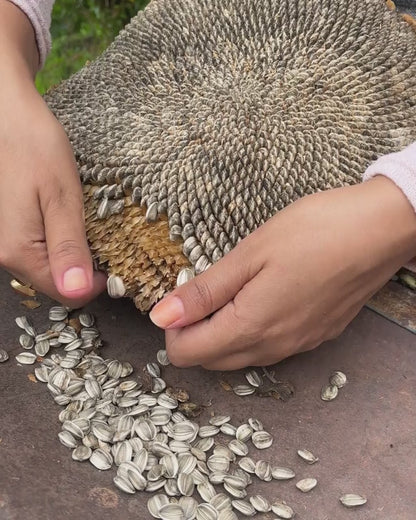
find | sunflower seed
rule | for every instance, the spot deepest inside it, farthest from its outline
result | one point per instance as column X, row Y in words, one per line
column 208, row 431
column 352, row 500
column 58, row 313
column 101, row 460
column 186, row 484
column 67, row 439
column 188, row 505
column 137, row 479
column 42, row 348
column 218, row 463
column 184, row 276
column 206, row 491
column 279, row 473
column 42, row 374
column 235, row 481
column 238, row 447
column 338, row 379
column 158, row 385
column 204, row 444
column 262, row 440
column 26, row 341
column 228, row 429
column 306, row 484
column 329, row 392
column 247, row 464
column 220, row 501
column 115, row 286
column 225, row 452
column 185, row 431
column 260, row 504
column 219, row 420
column 254, row 378
column 307, row 456
column 162, row 358
column 155, row 504
column 263, row 471
column 244, row 507
column 282, row 510
column 4, row 356
column 244, row 433
column 124, row 484
column 26, row 358
column 81, row 453
column 24, row 323
column 152, row 212
column 243, row 390
column 236, row 493
column 86, row 319
column 206, row 512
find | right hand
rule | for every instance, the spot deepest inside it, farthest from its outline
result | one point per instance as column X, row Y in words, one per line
column 42, row 234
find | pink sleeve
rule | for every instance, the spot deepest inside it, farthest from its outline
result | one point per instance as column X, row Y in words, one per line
column 39, row 13
column 400, row 167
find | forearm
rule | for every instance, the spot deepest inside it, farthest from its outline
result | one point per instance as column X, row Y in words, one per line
column 19, row 57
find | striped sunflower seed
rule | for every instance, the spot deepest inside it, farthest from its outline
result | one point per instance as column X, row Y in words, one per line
column 26, row 358
column 124, row 484
column 243, row 390
column 307, row 484
column 220, row 501
column 282, row 510
column 280, row 473
column 208, row 431
column 184, row 276
column 263, row 471
column 244, row 433
column 25, row 323
column 67, row 439
column 219, row 420
column 262, row 440
column 206, row 491
column 101, row 460
column 206, row 512
column 329, row 392
column 115, row 286
column 338, row 379
column 352, row 500
column 254, row 378
column 260, row 504
column 27, row 342
column 58, row 313
column 42, row 348
column 155, row 504
column 81, row 453
column 186, row 484
column 86, row 319
column 162, row 358
column 189, row 506
column 307, row 456
column 245, row 508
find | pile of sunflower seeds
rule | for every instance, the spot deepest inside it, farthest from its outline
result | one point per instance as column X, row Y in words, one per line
column 134, row 424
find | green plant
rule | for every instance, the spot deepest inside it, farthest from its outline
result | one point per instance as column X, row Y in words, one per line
column 81, row 30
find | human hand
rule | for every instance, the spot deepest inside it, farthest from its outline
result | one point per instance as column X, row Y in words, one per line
column 42, row 235
column 294, row 283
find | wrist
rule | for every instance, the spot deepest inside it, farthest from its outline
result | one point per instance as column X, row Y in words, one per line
column 395, row 217
column 19, row 56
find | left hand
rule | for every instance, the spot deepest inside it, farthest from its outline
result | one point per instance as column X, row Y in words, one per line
column 295, row 282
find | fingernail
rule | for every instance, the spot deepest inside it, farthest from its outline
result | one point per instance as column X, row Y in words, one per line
column 167, row 312
column 75, row 279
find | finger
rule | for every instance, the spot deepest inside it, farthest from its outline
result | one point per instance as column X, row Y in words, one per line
column 68, row 252
column 207, row 340
column 207, row 292
column 41, row 280
column 233, row 362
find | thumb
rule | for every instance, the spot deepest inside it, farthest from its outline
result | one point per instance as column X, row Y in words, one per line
column 205, row 293
column 68, row 252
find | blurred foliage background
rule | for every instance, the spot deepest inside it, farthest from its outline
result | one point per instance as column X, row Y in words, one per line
column 81, row 30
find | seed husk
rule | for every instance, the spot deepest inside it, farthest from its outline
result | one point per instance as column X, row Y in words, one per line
column 352, row 500
column 26, row 358
column 4, row 356
column 238, row 447
column 186, row 484
column 263, row 470
column 58, row 313
column 67, row 439
column 247, row 464
column 124, row 484
column 329, row 392
column 307, row 456
column 338, row 379
column 24, row 323
column 307, row 484
column 282, row 510
column 243, row 390
column 101, row 460
column 244, row 433
column 42, row 348
column 188, row 505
